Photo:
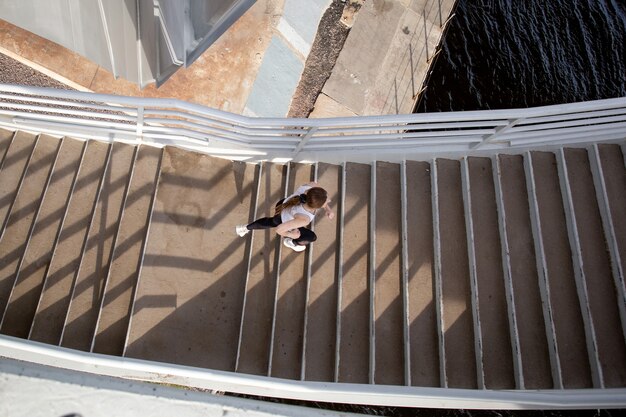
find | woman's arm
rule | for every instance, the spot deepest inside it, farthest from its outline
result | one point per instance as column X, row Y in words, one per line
column 329, row 212
column 290, row 228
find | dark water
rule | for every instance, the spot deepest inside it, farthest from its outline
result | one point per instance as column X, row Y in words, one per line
column 524, row 53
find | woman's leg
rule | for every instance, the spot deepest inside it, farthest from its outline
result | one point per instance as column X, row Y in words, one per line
column 265, row 223
column 306, row 236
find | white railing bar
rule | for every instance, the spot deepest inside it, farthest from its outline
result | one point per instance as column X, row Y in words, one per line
column 30, row 230
column 579, row 270
column 565, row 128
column 404, row 134
column 471, row 254
column 86, row 104
column 604, row 205
column 20, row 183
column 287, row 172
column 405, row 275
column 542, row 272
column 44, row 284
column 384, row 395
column 575, row 120
column 247, row 121
column 83, row 249
column 307, row 295
column 341, row 221
column 438, row 279
column 414, row 126
column 584, row 138
column 11, row 107
column 248, row 133
column 114, row 246
column 588, row 134
column 372, row 275
column 338, row 145
column 498, row 132
column 610, row 111
column 142, row 254
column 508, row 274
column 255, row 203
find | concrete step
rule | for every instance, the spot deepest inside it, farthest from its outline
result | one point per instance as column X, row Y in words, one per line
column 69, row 248
column 488, row 273
column 569, row 353
column 481, row 219
column 260, row 290
column 388, row 306
column 23, row 212
column 12, row 172
column 120, row 284
column 5, row 140
column 595, row 281
column 529, row 338
column 189, row 297
column 320, row 338
column 609, row 175
column 290, row 299
column 422, row 315
column 85, row 301
column 354, row 331
column 22, row 304
column 455, row 294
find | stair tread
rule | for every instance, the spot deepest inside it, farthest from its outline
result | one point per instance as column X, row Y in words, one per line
column 13, row 166
column 388, row 301
column 192, row 280
column 125, row 263
column 23, row 211
column 423, row 340
column 322, row 309
column 5, row 141
column 289, row 320
column 87, row 291
column 23, row 303
column 496, row 337
column 256, row 328
column 457, row 307
column 597, row 270
column 525, row 282
column 563, row 296
column 55, row 298
column 354, row 336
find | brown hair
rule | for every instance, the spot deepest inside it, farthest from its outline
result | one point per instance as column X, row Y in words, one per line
column 315, row 197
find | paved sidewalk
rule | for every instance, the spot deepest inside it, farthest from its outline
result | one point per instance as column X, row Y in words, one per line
column 255, row 66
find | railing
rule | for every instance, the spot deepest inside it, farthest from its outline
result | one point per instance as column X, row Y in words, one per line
column 361, row 139
column 365, row 394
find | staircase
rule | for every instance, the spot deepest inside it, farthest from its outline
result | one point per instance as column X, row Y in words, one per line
column 503, row 272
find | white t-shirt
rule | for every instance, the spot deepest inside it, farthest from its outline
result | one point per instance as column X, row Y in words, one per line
column 290, row 213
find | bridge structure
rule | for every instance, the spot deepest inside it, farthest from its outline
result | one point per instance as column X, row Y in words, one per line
column 476, row 260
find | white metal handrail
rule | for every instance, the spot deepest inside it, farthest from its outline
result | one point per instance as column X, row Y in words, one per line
column 365, row 394
column 392, row 137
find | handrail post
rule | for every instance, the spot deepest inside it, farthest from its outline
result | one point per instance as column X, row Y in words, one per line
column 497, row 132
column 140, row 112
column 305, row 139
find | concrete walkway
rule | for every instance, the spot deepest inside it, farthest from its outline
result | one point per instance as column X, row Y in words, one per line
column 254, row 68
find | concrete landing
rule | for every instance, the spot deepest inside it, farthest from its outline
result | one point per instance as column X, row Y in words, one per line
column 255, row 66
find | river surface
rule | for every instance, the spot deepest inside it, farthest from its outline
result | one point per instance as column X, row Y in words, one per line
column 524, row 53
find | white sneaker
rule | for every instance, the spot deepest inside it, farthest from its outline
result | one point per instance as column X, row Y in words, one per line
column 289, row 243
column 241, row 230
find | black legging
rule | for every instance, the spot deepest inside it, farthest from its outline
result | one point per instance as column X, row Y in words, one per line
column 306, row 235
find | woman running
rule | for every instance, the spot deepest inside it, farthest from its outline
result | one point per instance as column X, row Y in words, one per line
column 292, row 214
